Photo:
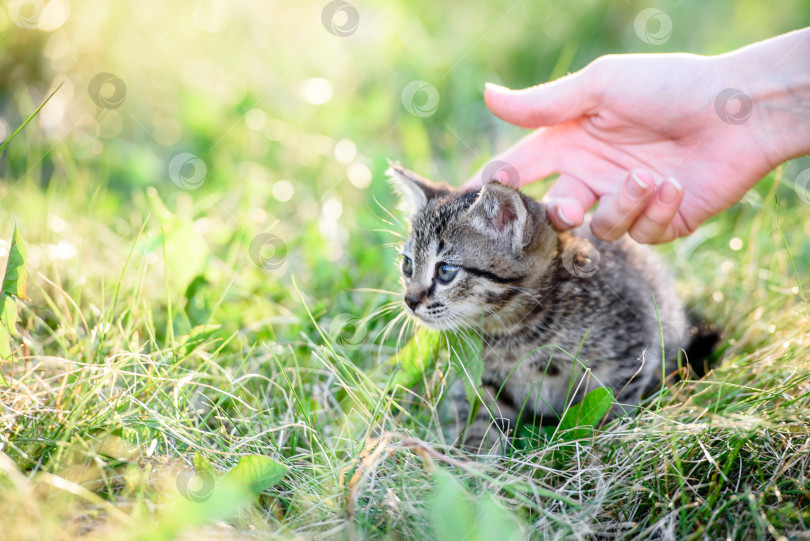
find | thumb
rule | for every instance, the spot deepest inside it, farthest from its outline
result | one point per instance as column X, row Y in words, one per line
column 563, row 100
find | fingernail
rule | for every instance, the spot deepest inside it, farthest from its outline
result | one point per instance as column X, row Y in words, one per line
column 637, row 187
column 563, row 219
column 670, row 191
column 496, row 88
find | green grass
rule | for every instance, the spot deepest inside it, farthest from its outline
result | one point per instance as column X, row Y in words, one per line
column 109, row 399
column 154, row 343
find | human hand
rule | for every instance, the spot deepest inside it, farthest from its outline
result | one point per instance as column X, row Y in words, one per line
column 650, row 137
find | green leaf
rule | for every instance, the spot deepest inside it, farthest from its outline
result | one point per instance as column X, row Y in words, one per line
column 257, row 473
column 586, row 414
column 5, row 347
column 15, row 276
column 452, row 510
column 13, row 288
column 8, row 314
column 457, row 515
column 418, row 354
column 496, row 522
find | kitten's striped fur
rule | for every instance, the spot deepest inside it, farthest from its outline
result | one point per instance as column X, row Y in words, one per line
column 534, row 298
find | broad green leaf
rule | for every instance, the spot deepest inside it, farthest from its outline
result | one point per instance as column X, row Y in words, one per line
column 257, row 473
column 418, row 354
column 496, row 522
column 5, row 345
column 586, row 414
column 452, row 510
column 15, row 275
column 457, row 515
column 13, row 288
column 8, row 315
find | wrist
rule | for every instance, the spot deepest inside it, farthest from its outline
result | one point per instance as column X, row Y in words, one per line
column 775, row 75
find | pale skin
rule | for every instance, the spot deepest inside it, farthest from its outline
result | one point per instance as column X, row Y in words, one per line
column 655, row 140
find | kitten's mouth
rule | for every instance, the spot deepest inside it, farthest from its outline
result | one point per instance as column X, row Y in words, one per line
column 435, row 322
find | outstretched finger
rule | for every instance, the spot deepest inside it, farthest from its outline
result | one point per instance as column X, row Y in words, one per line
column 616, row 213
column 565, row 213
column 567, row 202
column 654, row 225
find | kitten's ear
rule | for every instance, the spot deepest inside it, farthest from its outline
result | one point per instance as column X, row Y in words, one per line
column 415, row 190
column 501, row 213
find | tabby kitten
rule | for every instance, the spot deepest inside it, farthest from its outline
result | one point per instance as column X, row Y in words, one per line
column 546, row 304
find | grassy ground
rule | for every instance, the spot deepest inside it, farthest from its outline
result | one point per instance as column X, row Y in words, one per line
column 172, row 331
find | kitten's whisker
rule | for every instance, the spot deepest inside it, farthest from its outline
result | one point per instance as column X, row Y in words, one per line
column 389, row 327
column 468, row 340
column 469, row 326
column 463, row 327
column 401, row 332
column 395, row 219
column 380, row 312
column 491, row 311
column 383, row 308
column 373, row 290
column 527, row 293
column 394, row 233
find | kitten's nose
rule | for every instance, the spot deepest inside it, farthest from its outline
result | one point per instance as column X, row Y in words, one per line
column 413, row 300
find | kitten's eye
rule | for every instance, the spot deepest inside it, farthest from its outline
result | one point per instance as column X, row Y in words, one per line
column 446, row 273
column 407, row 266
